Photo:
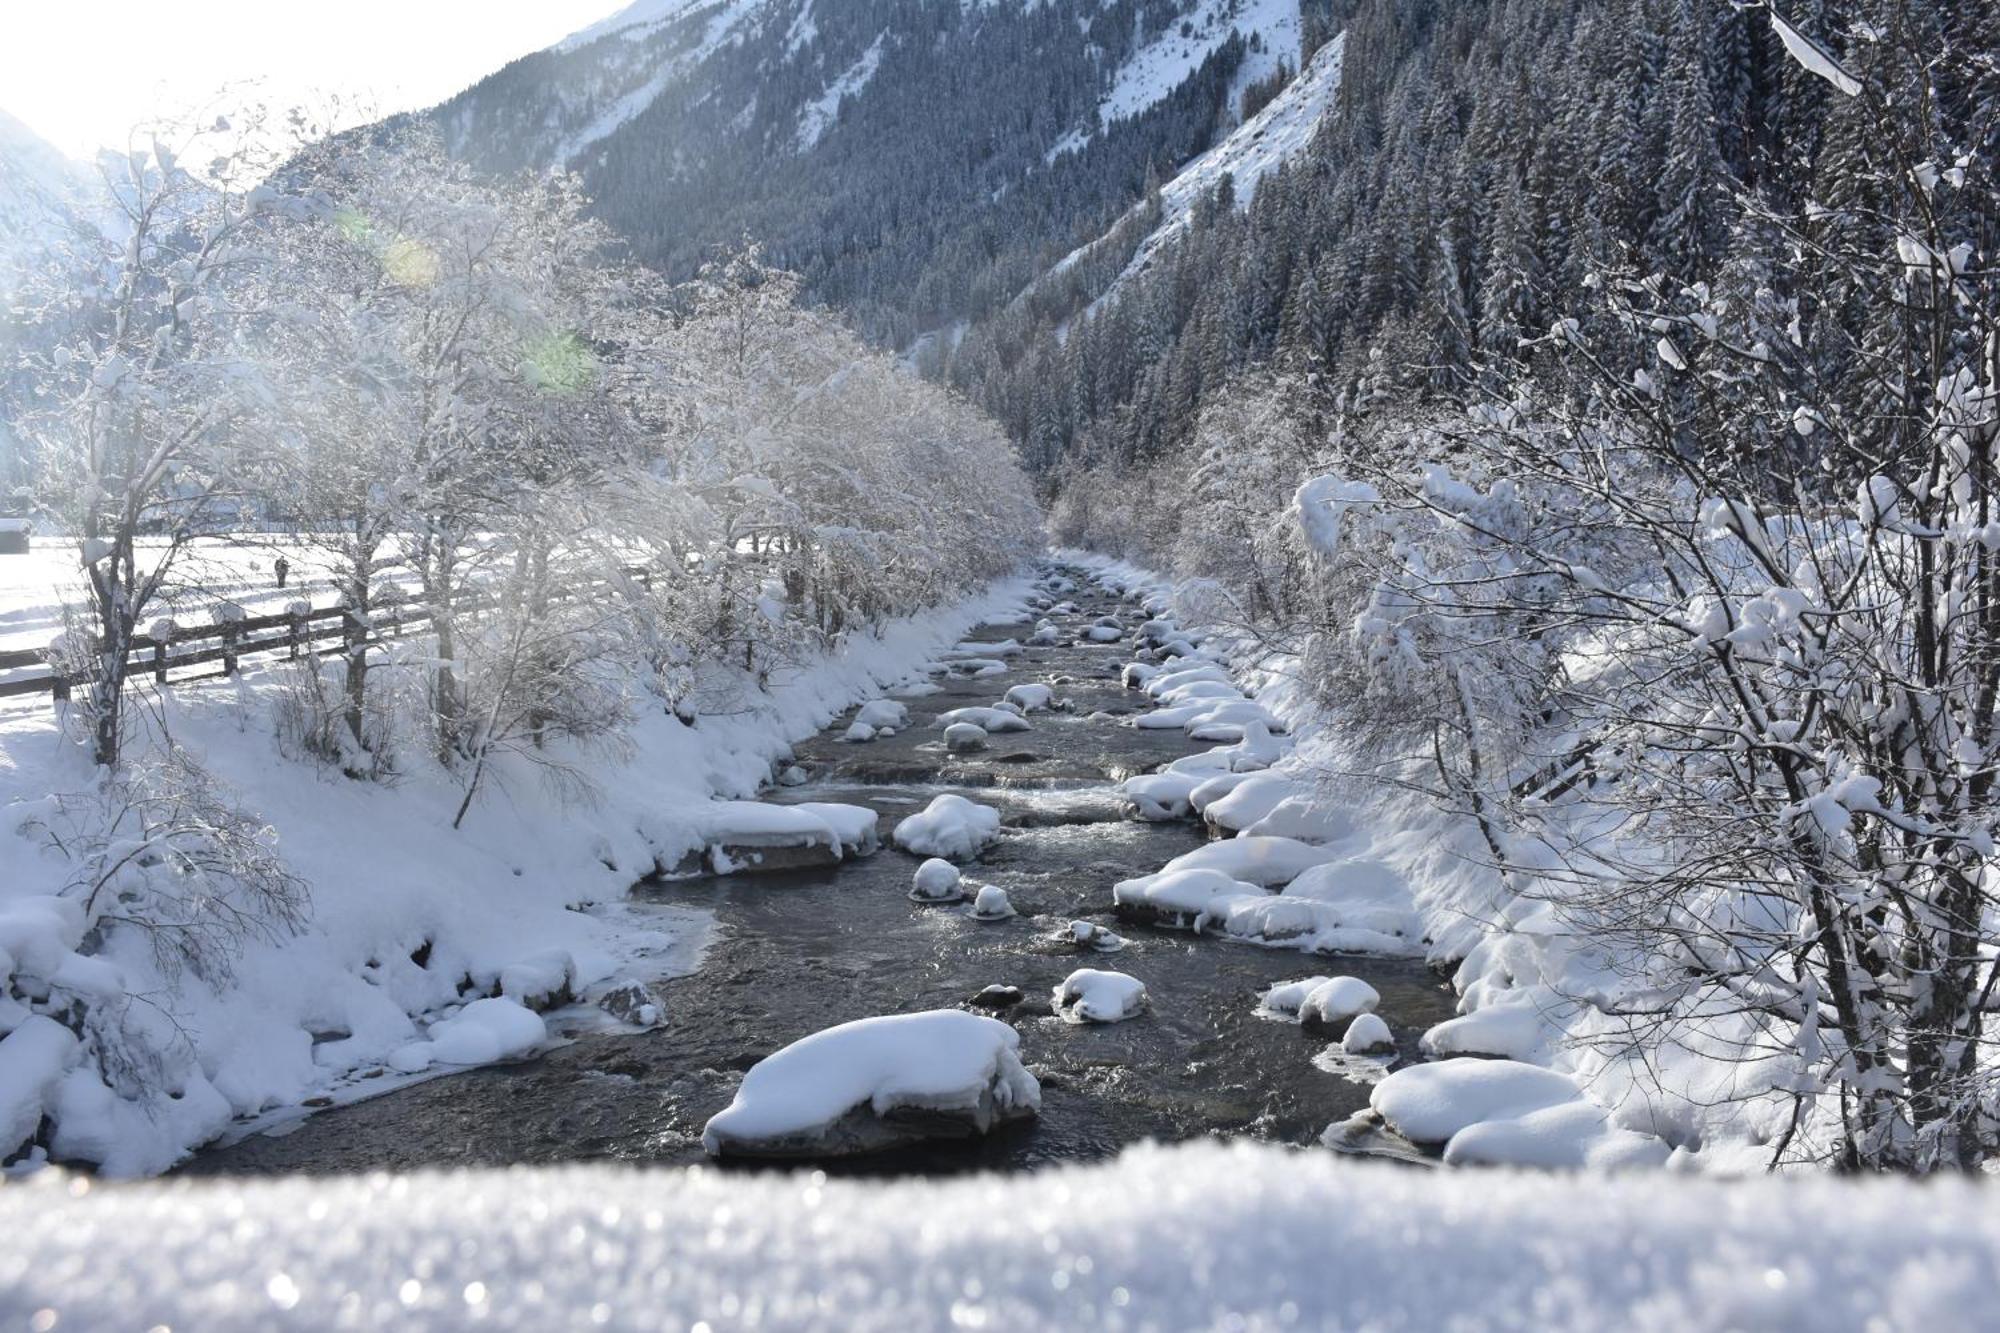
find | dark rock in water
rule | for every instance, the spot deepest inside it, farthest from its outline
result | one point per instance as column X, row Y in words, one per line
column 730, row 859
column 633, row 1002
column 1019, row 757
column 998, row 997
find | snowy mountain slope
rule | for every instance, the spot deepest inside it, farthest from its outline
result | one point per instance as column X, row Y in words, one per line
column 918, row 161
column 1259, row 145
column 1275, row 135
column 820, row 113
column 1170, row 59
column 41, row 191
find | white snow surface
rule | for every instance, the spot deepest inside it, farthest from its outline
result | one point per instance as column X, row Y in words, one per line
column 1201, row 1235
column 1169, row 60
column 1089, row 995
column 821, row 112
column 950, row 827
column 944, row 1059
column 1276, row 134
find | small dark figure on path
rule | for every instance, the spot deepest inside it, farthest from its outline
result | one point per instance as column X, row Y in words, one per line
column 281, row 567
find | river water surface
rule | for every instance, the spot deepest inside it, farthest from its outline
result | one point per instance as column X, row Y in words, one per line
column 797, row 951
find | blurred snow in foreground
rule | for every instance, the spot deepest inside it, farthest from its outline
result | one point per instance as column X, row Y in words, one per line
column 1201, row 1236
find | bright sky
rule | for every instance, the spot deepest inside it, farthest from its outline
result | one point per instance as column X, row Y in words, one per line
column 82, row 72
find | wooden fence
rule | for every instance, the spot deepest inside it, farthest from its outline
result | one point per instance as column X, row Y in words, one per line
column 221, row 647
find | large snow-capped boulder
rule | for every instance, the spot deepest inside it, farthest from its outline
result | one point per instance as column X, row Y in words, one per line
column 1337, row 1001
column 1090, row 996
column 1368, row 1034
column 1180, row 899
column 1431, row 1103
column 748, row 836
column 1267, row 862
column 1160, row 796
column 950, row 827
column 878, row 1083
column 883, row 714
column 1358, row 905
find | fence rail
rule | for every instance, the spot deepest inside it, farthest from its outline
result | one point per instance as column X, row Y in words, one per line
column 287, row 634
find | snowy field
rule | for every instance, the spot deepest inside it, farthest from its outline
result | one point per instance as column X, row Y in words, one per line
column 1197, row 1237
column 34, row 588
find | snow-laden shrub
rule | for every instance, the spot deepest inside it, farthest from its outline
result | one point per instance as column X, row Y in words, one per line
column 160, row 850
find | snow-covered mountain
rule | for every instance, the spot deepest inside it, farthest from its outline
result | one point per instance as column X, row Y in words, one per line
column 1277, row 133
column 921, row 162
column 41, row 193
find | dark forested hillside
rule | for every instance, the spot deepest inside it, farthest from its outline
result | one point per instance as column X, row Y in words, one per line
column 1484, row 158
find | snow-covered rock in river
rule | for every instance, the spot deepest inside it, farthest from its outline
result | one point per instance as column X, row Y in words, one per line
column 1503, row 1112
column 633, row 1002
column 1572, row 1136
column 1160, row 796
column 883, row 713
column 1092, row 936
column 1183, row 899
column 1104, row 634
column 1358, row 905
column 1286, row 997
column 937, row 881
column 1266, row 862
column 742, row 836
column 858, row 734
column 991, row 904
column 951, row 827
column 480, row 1033
column 995, row 720
column 1334, row 1002
column 1368, row 1035
column 1031, row 697
column 878, row 1083
column 1090, row 996
column 964, row 738
column 1512, row 1027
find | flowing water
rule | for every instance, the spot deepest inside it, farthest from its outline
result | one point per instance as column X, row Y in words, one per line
column 797, row 951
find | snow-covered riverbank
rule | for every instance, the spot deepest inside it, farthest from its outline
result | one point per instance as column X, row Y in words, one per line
column 410, row 917
column 1334, row 849
column 1195, row 1237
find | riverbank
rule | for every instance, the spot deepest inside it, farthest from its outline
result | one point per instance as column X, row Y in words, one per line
column 410, row 917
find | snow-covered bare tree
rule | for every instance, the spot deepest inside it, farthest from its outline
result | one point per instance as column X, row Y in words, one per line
column 149, row 413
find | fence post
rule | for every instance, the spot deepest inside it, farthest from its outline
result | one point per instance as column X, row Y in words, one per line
column 230, row 617
column 161, row 633
column 296, row 636
column 356, row 634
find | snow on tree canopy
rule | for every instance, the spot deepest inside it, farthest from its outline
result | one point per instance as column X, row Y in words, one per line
column 1320, row 505
column 1813, row 56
